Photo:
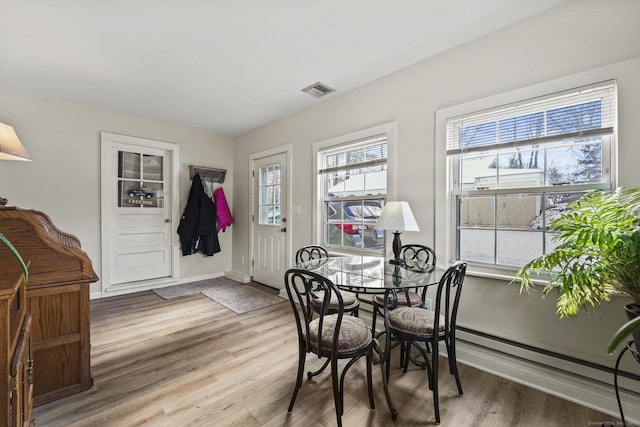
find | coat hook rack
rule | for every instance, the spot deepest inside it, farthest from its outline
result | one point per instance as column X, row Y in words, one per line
column 210, row 174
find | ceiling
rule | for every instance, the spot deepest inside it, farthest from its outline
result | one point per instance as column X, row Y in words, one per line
column 228, row 66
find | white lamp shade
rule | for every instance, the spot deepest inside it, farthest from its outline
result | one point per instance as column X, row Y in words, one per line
column 397, row 216
column 10, row 146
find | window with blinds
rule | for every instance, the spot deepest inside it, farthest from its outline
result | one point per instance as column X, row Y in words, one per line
column 354, row 185
column 514, row 168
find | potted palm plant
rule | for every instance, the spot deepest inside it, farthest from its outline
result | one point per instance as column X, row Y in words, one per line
column 15, row 252
column 598, row 255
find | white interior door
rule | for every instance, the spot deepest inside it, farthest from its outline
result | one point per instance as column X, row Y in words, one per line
column 269, row 233
column 137, row 215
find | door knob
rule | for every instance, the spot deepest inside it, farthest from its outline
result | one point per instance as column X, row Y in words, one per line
column 283, row 229
column 167, row 220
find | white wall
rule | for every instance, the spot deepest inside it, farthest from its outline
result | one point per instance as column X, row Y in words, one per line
column 579, row 36
column 63, row 180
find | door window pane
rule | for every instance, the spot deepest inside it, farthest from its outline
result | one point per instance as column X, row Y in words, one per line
column 128, row 165
column 152, row 167
column 269, row 195
column 140, row 180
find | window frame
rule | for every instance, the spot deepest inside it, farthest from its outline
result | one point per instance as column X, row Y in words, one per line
column 446, row 166
column 320, row 148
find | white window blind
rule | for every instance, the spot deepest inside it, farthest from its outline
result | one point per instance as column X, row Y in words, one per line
column 578, row 113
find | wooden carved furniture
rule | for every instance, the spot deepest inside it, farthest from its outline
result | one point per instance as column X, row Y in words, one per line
column 16, row 373
column 57, row 298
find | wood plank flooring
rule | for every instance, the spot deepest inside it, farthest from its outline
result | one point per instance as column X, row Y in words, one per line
column 192, row 362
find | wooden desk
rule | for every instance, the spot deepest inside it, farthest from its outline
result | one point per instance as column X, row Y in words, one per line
column 58, row 300
column 16, row 374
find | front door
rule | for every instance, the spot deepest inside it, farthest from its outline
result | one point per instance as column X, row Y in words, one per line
column 138, row 213
column 269, row 221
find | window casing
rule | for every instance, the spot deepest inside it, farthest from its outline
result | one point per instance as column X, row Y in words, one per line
column 513, row 168
column 352, row 187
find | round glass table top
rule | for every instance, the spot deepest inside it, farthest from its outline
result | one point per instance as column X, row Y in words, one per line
column 371, row 274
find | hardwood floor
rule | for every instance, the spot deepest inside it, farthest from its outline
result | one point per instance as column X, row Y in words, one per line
column 191, row 362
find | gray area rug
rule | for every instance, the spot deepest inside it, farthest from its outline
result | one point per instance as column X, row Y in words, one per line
column 237, row 297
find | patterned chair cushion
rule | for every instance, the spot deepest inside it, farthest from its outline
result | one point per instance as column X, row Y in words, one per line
column 413, row 320
column 354, row 334
column 349, row 300
column 415, row 299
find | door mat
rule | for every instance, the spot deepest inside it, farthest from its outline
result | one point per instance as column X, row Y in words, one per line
column 237, row 297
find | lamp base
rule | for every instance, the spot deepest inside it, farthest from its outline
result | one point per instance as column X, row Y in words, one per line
column 397, row 246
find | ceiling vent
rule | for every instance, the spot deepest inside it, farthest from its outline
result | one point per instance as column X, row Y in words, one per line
column 318, row 89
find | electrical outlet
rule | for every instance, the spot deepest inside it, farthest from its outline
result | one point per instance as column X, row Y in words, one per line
column 428, row 304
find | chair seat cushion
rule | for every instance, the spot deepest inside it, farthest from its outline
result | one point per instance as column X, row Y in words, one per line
column 349, row 299
column 354, row 334
column 415, row 299
column 415, row 321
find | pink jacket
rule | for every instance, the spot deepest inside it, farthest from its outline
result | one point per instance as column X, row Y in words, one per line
column 223, row 212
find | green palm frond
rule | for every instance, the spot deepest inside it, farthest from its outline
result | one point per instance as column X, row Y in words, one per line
column 625, row 330
column 14, row 251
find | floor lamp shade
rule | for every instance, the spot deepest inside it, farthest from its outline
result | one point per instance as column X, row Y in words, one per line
column 397, row 217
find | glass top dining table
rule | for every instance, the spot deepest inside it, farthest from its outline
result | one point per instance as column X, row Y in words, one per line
column 372, row 274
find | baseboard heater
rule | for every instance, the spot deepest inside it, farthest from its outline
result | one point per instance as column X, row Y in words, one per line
column 586, row 363
column 581, row 381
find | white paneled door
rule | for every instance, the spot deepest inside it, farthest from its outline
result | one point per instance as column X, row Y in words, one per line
column 138, row 228
column 269, row 221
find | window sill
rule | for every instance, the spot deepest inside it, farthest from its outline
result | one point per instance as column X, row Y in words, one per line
column 507, row 275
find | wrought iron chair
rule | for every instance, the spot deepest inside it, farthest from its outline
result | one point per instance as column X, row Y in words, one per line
column 412, row 325
column 351, row 301
column 334, row 336
column 414, row 256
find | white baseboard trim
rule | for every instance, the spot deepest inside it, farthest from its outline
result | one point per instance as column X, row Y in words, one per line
column 577, row 385
column 238, row 276
column 127, row 288
column 198, row 278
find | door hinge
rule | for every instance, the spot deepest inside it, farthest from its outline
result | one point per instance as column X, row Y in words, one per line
column 253, row 174
column 251, row 262
column 13, row 383
column 252, row 220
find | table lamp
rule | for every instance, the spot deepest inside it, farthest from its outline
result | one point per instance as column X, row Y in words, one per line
column 397, row 217
column 11, row 148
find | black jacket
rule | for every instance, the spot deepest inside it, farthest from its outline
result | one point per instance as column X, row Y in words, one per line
column 197, row 227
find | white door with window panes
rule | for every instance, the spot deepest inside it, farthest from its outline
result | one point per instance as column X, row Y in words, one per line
column 138, row 209
column 269, row 222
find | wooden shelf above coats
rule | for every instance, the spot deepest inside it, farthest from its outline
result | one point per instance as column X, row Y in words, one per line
column 208, row 174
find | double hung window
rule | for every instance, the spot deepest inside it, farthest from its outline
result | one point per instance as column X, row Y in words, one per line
column 352, row 180
column 514, row 168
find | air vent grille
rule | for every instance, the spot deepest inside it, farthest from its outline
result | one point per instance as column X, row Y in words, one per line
column 318, row 89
